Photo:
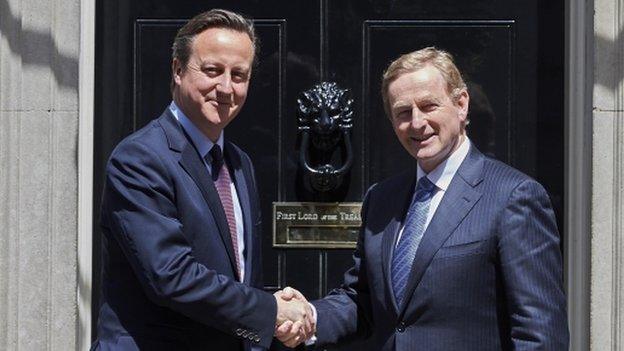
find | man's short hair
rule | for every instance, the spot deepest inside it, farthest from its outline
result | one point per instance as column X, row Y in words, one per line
column 416, row 60
column 215, row 18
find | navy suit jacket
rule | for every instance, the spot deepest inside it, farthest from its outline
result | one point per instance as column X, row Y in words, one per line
column 487, row 274
column 168, row 271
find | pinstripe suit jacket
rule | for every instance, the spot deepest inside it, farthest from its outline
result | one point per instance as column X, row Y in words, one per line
column 487, row 274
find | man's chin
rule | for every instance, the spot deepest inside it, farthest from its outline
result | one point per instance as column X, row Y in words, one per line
column 215, row 117
column 424, row 153
column 427, row 157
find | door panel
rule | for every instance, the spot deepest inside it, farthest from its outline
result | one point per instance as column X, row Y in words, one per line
column 511, row 54
column 484, row 54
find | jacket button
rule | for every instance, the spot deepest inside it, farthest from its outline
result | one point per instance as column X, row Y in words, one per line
column 401, row 327
column 256, row 339
column 239, row 331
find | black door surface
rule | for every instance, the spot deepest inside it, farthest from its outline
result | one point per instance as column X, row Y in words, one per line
column 510, row 51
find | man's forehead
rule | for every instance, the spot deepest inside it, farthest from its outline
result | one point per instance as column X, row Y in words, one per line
column 424, row 82
column 425, row 75
column 218, row 36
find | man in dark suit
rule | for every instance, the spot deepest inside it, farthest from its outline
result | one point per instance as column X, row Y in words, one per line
column 461, row 255
column 180, row 213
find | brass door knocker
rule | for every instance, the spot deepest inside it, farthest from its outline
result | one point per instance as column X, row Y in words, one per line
column 325, row 116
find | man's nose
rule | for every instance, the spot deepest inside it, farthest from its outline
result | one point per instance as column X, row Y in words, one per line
column 418, row 118
column 224, row 85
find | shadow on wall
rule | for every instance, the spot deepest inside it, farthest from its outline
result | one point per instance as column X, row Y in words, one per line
column 37, row 48
column 607, row 47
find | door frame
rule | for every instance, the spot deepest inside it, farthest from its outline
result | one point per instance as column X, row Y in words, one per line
column 578, row 85
column 86, row 94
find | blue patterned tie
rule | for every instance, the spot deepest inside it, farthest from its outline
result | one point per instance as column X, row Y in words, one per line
column 413, row 231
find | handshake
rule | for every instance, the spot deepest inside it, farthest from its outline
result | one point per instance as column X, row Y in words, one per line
column 295, row 322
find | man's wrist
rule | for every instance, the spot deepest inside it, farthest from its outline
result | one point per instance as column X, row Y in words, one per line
column 312, row 340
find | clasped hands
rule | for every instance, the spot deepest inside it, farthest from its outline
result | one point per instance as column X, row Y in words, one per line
column 295, row 321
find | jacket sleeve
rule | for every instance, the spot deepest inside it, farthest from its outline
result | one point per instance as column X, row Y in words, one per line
column 140, row 212
column 345, row 313
column 531, row 265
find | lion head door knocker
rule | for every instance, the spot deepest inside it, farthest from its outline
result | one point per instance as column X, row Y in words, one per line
column 325, row 117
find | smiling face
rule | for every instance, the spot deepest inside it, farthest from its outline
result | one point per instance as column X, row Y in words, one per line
column 212, row 88
column 428, row 123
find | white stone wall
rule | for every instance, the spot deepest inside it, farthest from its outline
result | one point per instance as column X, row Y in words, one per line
column 39, row 51
column 607, row 282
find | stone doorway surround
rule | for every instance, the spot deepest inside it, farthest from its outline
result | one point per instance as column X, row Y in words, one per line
column 607, row 209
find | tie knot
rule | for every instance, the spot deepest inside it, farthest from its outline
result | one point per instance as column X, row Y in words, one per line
column 424, row 188
column 215, row 153
column 216, row 161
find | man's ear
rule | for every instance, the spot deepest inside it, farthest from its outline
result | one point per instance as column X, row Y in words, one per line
column 462, row 104
column 176, row 71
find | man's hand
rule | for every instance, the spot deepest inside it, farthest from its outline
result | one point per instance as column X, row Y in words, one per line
column 295, row 322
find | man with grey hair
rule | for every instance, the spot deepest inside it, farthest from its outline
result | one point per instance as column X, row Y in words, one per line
column 463, row 254
column 180, row 215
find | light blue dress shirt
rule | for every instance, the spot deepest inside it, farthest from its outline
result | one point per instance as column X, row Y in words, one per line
column 204, row 145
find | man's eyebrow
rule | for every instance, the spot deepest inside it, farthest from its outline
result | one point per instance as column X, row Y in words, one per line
column 203, row 63
column 428, row 98
column 400, row 104
column 425, row 96
column 432, row 99
column 242, row 68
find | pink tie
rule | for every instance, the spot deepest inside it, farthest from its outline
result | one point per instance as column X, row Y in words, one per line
column 222, row 183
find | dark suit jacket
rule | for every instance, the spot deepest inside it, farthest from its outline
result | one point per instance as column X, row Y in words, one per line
column 169, row 280
column 487, row 274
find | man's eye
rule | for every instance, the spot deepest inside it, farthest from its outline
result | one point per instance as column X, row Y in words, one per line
column 210, row 70
column 403, row 113
column 429, row 107
column 239, row 76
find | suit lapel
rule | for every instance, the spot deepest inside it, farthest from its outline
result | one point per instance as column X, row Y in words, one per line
column 192, row 163
column 460, row 198
column 242, row 191
column 405, row 190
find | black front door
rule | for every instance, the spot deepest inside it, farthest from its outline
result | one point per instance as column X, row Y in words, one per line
column 510, row 52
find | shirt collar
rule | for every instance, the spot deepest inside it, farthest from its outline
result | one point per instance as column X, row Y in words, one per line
column 202, row 143
column 442, row 175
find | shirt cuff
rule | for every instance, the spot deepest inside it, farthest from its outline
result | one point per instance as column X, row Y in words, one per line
column 312, row 339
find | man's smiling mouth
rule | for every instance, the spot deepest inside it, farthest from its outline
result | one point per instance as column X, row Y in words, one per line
column 423, row 138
